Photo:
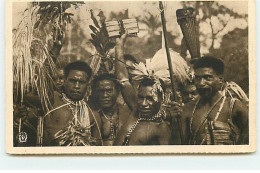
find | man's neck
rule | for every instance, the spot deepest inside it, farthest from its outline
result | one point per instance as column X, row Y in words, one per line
column 110, row 111
column 67, row 99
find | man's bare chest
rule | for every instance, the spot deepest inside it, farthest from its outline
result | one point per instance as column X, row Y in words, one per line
column 205, row 112
column 145, row 133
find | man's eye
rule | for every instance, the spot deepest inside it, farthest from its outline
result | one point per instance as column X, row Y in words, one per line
column 82, row 82
column 208, row 77
column 150, row 98
column 109, row 91
column 194, row 93
column 72, row 81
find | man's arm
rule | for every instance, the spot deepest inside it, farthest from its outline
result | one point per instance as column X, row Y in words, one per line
column 127, row 89
column 240, row 119
column 96, row 129
column 125, row 129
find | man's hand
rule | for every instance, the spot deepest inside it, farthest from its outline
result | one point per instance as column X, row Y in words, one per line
column 121, row 41
column 174, row 109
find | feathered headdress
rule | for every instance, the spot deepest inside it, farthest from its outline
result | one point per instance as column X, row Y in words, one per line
column 157, row 69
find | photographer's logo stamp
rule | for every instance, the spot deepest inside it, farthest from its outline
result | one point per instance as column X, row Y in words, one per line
column 22, row 137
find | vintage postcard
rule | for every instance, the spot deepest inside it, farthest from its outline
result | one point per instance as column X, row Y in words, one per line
column 130, row 77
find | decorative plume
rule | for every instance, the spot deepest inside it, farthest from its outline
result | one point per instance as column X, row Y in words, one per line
column 33, row 65
column 234, row 90
column 157, row 67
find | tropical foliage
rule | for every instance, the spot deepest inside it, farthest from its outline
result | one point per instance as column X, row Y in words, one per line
column 33, row 63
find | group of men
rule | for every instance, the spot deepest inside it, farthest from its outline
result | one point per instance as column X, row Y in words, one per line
column 208, row 116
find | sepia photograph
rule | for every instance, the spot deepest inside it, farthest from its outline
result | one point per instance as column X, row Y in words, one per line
column 129, row 77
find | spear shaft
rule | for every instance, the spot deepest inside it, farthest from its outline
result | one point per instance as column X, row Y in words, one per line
column 170, row 67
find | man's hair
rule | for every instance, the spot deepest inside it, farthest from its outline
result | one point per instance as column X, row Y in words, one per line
column 207, row 61
column 106, row 76
column 128, row 57
column 150, row 82
column 78, row 65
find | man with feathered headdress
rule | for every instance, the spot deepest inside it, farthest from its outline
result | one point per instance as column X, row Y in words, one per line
column 147, row 125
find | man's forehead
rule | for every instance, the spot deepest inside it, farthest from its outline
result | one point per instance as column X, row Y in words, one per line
column 78, row 74
column 204, row 71
column 145, row 90
column 106, row 83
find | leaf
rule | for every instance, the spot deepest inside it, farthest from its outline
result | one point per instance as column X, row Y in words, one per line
column 36, row 24
column 97, row 46
column 94, row 19
column 94, row 37
column 109, row 46
column 102, row 17
column 93, row 29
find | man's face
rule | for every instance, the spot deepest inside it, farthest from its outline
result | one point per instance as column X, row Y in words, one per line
column 59, row 80
column 207, row 82
column 147, row 106
column 190, row 93
column 75, row 85
column 106, row 93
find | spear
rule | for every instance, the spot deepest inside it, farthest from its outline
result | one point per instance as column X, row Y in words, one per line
column 170, row 67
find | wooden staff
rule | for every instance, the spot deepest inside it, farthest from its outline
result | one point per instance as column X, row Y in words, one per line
column 170, row 68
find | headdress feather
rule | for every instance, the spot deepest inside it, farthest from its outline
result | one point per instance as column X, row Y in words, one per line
column 157, row 68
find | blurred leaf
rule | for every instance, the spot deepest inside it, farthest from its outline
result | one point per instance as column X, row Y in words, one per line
column 93, row 29
column 102, row 17
column 94, row 19
column 109, row 46
column 97, row 46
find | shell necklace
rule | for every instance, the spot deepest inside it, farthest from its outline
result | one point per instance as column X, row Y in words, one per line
column 156, row 117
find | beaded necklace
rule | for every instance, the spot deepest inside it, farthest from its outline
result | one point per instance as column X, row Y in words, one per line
column 112, row 126
column 156, row 117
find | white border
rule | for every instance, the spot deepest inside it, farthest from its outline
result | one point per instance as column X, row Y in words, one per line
column 133, row 149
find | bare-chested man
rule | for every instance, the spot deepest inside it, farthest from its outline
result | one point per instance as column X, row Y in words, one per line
column 103, row 100
column 71, row 121
column 213, row 118
column 146, row 125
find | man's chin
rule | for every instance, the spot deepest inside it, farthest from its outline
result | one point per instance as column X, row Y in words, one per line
column 106, row 106
column 75, row 98
column 146, row 113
